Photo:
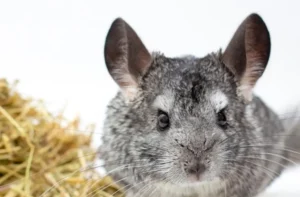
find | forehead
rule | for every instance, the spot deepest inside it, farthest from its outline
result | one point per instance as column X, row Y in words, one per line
column 187, row 78
column 188, row 82
column 185, row 73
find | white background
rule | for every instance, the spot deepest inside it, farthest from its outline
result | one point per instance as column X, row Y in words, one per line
column 55, row 48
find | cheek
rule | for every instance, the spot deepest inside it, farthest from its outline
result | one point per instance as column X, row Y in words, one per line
column 175, row 173
column 220, row 155
column 215, row 158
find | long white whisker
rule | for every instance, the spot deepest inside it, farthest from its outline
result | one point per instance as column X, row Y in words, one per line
column 268, row 160
column 94, row 192
column 262, row 167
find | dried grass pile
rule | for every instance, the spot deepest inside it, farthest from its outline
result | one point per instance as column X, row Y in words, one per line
column 44, row 155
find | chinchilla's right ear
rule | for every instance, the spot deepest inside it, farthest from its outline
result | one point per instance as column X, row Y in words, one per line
column 126, row 57
column 247, row 54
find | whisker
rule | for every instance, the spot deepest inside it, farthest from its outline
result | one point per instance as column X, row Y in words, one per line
column 282, row 157
column 2, row 187
column 149, row 187
column 155, row 170
column 283, row 134
column 255, row 165
column 86, row 169
column 135, row 186
column 64, row 178
column 156, row 188
column 120, row 189
column 238, row 176
column 268, row 160
column 145, row 188
column 94, row 192
column 273, row 146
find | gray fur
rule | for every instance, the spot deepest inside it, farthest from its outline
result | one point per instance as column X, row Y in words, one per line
column 149, row 163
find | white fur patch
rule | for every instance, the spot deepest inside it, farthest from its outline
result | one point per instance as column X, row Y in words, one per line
column 129, row 92
column 164, row 101
column 203, row 189
column 246, row 92
column 219, row 100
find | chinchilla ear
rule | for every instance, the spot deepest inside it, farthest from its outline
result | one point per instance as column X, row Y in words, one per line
column 126, row 57
column 248, row 53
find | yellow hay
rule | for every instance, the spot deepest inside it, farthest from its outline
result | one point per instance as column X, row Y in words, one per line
column 44, row 155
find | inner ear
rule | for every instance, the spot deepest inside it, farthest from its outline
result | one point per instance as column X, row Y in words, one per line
column 126, row 57
column 248, row 52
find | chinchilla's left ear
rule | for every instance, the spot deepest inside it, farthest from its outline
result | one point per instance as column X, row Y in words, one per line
column 248, row 53
column 126, row 57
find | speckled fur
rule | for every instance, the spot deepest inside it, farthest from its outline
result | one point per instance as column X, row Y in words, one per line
column 148, row 162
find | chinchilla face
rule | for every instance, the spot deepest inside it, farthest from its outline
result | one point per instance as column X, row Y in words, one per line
column 181, row 121
column 186, row 107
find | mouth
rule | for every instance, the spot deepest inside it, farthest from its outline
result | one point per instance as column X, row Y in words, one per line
column 199, row 187
column 200, row 179
column 195, row 178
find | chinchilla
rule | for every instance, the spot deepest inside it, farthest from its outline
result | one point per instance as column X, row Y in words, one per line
column 191, row 126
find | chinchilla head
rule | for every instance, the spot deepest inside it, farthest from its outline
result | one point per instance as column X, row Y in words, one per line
column 174, row 118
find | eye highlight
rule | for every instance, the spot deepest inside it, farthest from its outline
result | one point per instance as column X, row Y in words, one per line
column 221, row 119
column 163, row 121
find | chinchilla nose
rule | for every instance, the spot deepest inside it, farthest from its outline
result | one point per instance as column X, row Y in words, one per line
column 194, row 171
column 197, row 145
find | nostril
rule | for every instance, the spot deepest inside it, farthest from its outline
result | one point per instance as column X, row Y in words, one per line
column 195, row 169
column 201, row 168
column 191, row 170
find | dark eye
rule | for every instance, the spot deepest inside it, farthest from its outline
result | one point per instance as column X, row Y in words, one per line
column 221, row 119
column 163, row 121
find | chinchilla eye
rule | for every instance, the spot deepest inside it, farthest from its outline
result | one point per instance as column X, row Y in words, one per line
column 163, row 121
column 221, row 119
